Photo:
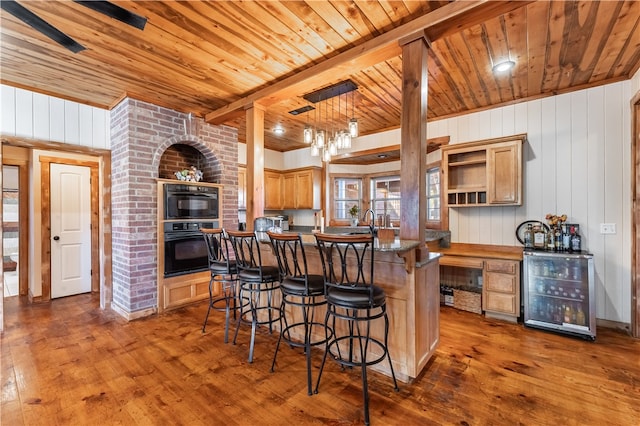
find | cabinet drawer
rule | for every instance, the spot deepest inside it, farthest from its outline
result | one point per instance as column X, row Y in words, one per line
column 505, row 283
column 500, row 302
column 462, row 261
column 502, row 266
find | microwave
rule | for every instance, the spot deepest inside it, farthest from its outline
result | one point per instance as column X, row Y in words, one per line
column 182, row 201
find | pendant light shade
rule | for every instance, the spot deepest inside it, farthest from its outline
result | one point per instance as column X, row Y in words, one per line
column 353, row 127
column 308, row 134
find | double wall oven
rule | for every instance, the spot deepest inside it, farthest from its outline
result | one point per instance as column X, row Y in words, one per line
column 187, row 209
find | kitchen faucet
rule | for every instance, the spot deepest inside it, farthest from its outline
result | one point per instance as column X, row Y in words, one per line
column 372, row 222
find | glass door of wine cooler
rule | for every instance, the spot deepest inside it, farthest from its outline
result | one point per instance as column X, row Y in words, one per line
column 559, row 292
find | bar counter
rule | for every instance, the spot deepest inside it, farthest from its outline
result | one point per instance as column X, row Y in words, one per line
column 410, row 277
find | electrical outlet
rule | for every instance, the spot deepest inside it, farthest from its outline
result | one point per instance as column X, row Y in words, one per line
column 607, row 228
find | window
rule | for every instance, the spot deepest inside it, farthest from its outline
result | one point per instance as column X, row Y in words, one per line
column 347, row 192
column 385, row 200
column 433, row 194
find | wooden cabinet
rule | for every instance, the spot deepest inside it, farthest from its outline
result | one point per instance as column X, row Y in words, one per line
column 483, row 173
column 501, row 292
column 301, row 189
column 462, row 265
column 242, row 188
column 291, row 189
column 272, row 190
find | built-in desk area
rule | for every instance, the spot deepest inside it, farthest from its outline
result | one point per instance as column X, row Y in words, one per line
column 491, row 271
column 410, row 278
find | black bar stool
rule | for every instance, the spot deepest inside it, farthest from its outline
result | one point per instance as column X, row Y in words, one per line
column 223, row 271
column 348, row 268
column 257, row 283
column 299, row 289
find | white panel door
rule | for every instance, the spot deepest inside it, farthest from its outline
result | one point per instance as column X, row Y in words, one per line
column 70, row 230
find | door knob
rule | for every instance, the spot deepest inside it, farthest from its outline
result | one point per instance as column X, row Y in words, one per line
column 56, row 238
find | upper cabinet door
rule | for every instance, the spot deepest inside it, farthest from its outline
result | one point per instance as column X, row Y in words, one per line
column 272, row 190
column 504, row 173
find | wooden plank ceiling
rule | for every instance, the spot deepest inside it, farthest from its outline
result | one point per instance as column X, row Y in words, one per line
column 201, row 56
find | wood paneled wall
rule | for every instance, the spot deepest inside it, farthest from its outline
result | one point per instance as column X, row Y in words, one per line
column 576, row 161
column 36, row 116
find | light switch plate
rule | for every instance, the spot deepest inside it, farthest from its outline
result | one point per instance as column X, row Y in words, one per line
column 607, row 228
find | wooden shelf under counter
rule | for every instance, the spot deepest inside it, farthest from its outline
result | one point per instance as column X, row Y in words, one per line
column 500, row 266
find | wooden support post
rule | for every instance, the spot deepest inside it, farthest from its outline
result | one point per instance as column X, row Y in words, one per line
column 413, row 142
column 255, row 163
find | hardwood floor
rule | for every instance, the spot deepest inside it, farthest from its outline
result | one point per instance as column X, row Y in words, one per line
column 68, row 362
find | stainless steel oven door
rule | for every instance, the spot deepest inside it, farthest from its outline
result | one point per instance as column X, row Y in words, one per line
column 184, row 253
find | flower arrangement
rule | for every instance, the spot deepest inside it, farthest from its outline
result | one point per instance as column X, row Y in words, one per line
column 555, row 221
column 189, row 175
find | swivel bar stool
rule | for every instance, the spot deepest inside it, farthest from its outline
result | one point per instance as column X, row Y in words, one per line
column 223, row 271
column 348, row 268
column 302, row 290
column 257, row 283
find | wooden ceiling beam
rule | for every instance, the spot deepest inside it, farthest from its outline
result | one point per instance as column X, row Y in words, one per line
column 453, row 16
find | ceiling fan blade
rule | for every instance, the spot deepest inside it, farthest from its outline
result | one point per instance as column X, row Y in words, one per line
column 39, row 24
column 115, row 12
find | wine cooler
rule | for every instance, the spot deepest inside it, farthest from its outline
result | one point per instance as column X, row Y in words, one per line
column 559, row 292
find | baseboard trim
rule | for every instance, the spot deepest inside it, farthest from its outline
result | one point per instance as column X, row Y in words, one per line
column 620, row 326
column 131, row 316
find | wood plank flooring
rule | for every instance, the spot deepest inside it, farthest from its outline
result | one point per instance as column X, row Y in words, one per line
column 69, row 363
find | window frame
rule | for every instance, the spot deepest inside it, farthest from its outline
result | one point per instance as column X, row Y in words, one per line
column 435, row 224
column 332, row 220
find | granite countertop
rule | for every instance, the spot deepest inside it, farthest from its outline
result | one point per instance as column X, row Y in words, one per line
column 308, row 238
column 443, row 237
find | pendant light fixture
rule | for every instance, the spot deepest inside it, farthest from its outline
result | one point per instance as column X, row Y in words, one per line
column 353, row 123
column 326, row 137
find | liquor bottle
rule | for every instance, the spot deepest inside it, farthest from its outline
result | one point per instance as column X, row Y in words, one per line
column 528, row 237
column 580, row 317
column 566, row 238
column 538, row 238
column 576, row 240
column 558, row 239
column 567, row 313
column 551, row 242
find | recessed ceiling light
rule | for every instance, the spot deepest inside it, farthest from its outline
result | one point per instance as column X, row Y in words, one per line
column 278, row 130
column 503, row 66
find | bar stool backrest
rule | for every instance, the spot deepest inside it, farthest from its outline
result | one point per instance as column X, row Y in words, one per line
column 217, row 247
column 246, row 248
column 347, row 262
column 292, row 260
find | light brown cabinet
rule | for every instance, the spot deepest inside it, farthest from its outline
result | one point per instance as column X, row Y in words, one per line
column 272, row 190
column 301, row 189
column 291, row 189
column 501, row 291
column 483, row 173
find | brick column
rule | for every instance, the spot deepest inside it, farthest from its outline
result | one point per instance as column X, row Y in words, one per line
column 140, row 133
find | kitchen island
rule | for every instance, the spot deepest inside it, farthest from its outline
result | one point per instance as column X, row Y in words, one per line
column 411, row 279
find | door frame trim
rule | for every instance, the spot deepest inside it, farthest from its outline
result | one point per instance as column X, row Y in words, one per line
column 45, row 169
column 23, row 222
column 635, row 215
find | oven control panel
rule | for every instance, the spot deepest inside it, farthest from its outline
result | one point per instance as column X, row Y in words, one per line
column 188, row 226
